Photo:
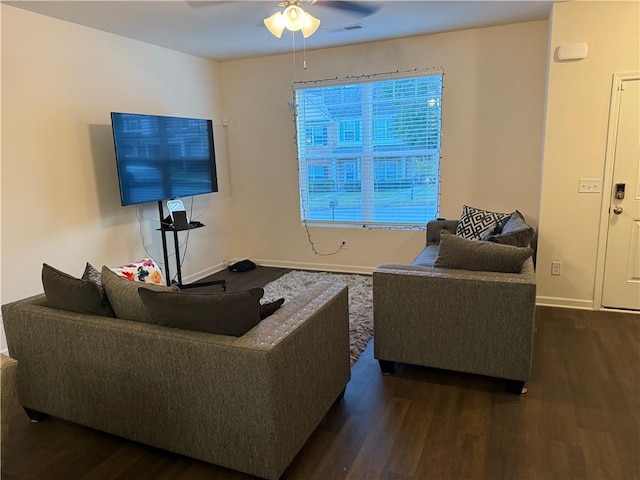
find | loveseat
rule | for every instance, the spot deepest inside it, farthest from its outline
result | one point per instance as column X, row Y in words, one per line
column 473, row 321
column 248, row 403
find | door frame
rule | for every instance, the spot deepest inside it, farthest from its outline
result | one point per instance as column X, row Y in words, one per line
column 607, row 184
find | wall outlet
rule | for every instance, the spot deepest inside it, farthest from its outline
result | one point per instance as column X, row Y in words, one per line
column 343, row 243
column 556, row 268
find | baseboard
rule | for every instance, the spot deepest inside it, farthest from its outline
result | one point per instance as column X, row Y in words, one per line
column 542, row 301
column 322, row 267
column 195, row 277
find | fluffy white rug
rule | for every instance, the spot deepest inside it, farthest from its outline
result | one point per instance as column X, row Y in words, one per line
column 360, row 300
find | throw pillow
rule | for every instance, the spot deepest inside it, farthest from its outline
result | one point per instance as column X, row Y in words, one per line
column 473, row 222
column 269, row 308
column 515, row 231
column 123, row 296
column 461, row 253
column 65, row 292
column 232, row 313
column 92, row 274
column 145, row 270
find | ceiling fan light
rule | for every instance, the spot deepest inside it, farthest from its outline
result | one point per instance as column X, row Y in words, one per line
column 275, row 24
column 293, row 17
column 309, row 25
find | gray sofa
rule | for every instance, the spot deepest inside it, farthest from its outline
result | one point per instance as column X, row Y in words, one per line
column 247, row 403
column 8, row 369
column 469, row 321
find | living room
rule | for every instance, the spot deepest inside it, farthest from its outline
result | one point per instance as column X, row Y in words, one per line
column 517, row 132
column 519, row 129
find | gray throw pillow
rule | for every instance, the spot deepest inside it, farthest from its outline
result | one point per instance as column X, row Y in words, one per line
column 66, row 292
column 232, row 313
column 269, row 308
column 123, row 295
column 514, row 231
column 461, row 253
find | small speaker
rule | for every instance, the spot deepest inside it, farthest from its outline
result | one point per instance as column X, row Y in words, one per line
column 180, row 220
column 572, row 51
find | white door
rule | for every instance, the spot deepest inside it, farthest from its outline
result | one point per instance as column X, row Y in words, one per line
column 621, row 287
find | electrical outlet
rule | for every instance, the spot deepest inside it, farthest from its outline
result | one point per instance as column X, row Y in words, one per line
column 556, row 268
column 343, row 243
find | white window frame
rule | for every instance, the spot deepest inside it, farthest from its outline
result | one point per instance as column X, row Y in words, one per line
column 366, row 158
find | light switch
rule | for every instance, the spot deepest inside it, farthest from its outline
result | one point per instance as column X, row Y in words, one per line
column 590, row 185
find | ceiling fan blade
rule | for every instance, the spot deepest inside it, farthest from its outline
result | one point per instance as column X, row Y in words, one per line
column 359, row 8
column 204, row 3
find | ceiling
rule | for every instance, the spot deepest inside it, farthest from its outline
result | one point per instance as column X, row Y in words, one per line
column 230, row 30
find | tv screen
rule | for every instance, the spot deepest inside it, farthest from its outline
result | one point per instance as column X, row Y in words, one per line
column 160, row 157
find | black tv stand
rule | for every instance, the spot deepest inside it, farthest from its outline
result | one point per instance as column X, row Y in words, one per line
column 166, row 226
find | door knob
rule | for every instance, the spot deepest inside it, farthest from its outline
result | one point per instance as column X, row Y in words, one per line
column 617, row 210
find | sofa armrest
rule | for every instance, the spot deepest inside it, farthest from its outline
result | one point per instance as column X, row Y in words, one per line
column 8, row 372
column 434, row 227
column 477, row 322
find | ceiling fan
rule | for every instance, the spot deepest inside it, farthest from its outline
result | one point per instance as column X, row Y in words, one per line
column 294, row 18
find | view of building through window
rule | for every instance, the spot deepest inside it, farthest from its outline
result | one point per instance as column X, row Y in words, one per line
column 369, row 152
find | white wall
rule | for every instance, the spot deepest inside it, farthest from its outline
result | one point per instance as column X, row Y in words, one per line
column 577, row 114
column 60, row 200
column 491, row 145
column 3, row 340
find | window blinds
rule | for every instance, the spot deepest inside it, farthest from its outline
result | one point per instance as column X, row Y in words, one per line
column 369, row 150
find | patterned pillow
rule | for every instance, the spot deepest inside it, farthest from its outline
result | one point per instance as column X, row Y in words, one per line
column 92, row 274
column 145, row 270
column 474, row 222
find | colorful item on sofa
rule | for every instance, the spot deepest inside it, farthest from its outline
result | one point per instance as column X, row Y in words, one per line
column 145, row 270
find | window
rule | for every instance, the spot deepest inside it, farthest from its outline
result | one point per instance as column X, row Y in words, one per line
column 316, row 134
column 375, row 157
column 350, row 132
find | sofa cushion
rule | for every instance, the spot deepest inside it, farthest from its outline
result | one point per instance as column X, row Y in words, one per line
column 232, row 313
column 461, row 253
column 66, row 292
column 474, row 221
column 514, row 231
column 123, row 296
column 145, row 270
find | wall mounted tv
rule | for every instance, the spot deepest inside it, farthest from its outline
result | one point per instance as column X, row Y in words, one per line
column 160, row 157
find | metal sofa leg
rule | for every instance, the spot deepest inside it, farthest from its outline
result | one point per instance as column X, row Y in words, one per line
column 387, row 367
column 516, row 386
column 34, row 415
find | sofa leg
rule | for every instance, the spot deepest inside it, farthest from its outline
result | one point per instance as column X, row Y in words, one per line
column 387, row 367
column 340, row 397
column 516, row 386
column 34, row 415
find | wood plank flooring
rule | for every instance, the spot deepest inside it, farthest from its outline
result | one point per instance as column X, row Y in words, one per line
column 579, row 420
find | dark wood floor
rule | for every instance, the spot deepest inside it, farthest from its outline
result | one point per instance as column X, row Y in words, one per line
column 579, row 420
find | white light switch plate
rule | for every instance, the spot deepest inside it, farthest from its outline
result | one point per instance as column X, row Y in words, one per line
column 590, row 185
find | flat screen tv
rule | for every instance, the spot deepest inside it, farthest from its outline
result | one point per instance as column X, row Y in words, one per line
column 161, row 157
